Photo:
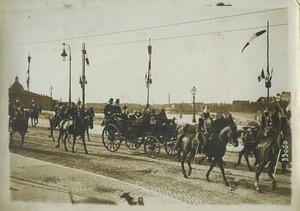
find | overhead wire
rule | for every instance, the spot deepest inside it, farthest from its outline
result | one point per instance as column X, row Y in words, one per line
column 148, row 28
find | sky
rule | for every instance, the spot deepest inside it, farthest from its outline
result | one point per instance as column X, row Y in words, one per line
column 194, row 43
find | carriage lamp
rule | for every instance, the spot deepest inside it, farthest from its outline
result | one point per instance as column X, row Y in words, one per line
column 64, row 56
column 194, row 93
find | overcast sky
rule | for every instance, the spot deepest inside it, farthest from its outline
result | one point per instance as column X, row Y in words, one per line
column 194, row 43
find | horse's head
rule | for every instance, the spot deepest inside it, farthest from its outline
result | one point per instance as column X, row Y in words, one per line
column 229, row 133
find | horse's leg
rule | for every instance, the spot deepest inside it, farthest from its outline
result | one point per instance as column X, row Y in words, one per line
column 241, row 153
column 87, row 133
column 182, row 159
column 220, row 164
column 257, row 174
column 247, row 153
column 22, row 138
column 271, row 171
column 212, row 165
column 74, row 140
column 192, row 156
column 65, row 140
column 83, row 140
column 11, row 139
column 59, row 137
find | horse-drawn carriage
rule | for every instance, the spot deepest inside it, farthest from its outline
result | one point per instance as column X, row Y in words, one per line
column 150, row 130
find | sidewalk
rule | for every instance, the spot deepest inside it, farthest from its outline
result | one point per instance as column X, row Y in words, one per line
column 37, row 181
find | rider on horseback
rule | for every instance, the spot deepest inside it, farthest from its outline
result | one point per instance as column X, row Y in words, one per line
column 205, row 126
column 18, row 112
column 59, row 111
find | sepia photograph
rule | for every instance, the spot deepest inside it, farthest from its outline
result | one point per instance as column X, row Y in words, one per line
column 149, row 105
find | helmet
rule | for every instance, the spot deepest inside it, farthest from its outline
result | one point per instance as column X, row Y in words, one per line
column 111, row 100
column 117, row 101
column 32, row 101
column 288, row 108
column 266, row 111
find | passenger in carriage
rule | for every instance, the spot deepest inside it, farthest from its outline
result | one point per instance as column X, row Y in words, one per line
column 109, row 108
column 125, row 112
column 117, row 108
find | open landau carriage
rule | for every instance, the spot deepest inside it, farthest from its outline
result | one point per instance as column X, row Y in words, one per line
column 152, row 131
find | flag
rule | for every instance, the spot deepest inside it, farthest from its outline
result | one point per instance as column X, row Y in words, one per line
column 80, row 81
column 27, row 78
column 261, row 76
column 271, row 74
column 257, row 34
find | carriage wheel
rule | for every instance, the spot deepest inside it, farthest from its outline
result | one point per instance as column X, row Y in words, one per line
column 152, row 146
column 111, row 138
column 134, row 143
column 169, row 145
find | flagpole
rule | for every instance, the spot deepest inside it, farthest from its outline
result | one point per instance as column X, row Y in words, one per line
column 29, row 58
column 148, row 76
column 268, row 77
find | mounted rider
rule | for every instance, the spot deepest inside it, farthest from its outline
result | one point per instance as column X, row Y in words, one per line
column 59, row 111
column 205, row 126
column 17, row 112
column 265, row 122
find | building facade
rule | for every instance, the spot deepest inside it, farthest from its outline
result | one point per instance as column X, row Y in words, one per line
column 17, row 91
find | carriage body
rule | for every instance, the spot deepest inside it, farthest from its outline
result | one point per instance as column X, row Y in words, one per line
column 150, row 130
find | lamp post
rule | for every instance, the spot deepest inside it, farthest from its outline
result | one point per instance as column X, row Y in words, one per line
column 51, row 89
column 194, row 93
column 64, row 55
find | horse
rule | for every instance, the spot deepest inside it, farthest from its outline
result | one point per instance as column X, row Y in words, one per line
column 34, row 116
column 268, row 150
column 89, row 114
column 20, row 124
column 249, row 138
column 215, row 148
column 78, row 129
column 54, row 122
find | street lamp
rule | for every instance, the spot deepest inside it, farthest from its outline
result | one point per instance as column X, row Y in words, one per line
column 51, row 89
column 194, row 93
column 64, row 55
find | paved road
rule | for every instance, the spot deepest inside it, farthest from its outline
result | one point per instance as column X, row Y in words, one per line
column 37, row 181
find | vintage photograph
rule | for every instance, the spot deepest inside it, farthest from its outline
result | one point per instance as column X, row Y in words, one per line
column 155, row 105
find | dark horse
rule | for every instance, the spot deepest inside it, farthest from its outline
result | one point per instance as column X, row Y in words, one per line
column 250, row 142
column 34, row 116
column 78, row 129
column 268, row 150
column 225, row 132
column 20, row 124
column 89, row 114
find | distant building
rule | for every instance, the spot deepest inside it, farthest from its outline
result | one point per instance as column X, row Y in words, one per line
column 16, row 90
